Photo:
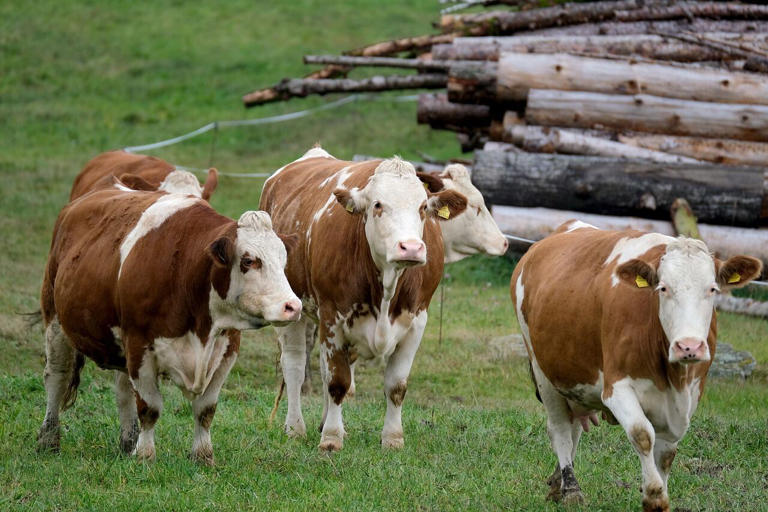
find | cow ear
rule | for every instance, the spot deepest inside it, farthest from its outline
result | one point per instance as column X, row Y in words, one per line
column 432, row 182
column 737, row 271
column 349, row 200
column 210, row 183
column 222, row 251
column 638, row 274
column 446, row 204
column 289, row 241
column 135, row 182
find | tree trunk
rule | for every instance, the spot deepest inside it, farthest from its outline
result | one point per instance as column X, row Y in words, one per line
column 698, row 25
column 647, row 113
column 719, row 195
column 536, row 223
column 297, row 87
column 721, row 151
column 520, row 72
column 508, row 22
column 440, row 114
column 541, row 139
column 648, row 46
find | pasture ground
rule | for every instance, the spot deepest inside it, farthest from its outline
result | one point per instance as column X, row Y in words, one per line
column 78, row 78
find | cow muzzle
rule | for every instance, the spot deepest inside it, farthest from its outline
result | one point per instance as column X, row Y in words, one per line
column 689, row 350
column 410, row 252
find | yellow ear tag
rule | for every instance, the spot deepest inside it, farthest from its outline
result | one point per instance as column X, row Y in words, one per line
column 641, row 282
column 735, row 278
column 444, row 212
column 426, row 187
column 350, row 208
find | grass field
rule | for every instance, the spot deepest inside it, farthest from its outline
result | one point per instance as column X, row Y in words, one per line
column 78, row 78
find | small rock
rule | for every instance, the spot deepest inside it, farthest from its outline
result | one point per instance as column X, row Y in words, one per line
column 730, row 363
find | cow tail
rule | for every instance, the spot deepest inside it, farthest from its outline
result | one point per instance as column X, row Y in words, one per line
column 533, row 378
column 70, row 395
column 277, row 402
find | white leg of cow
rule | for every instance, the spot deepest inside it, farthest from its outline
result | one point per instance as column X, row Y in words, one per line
column 396, row 382
column 564, row 433
column 626, row 409
column 60, row 383
column 352, row 390
column 293, row 346
column 311, row 329
column 204, row 407
column 336, row 378
column 149, row 403
column 664, row 454
column 126, row 409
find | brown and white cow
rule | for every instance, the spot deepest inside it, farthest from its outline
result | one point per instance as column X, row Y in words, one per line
column 153, row 284
column 622, row 323
column 368, row 260
column 473, row 232
column 139, row 172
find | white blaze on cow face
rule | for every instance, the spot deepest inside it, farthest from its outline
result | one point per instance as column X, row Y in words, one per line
column 181, row 182
column 474, row 231
column 258, row 286
column 395, row 207
column 687, row 288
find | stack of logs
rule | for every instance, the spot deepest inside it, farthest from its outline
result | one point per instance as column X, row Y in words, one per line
column 610, row 108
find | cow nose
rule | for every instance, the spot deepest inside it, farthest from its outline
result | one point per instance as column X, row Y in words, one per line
column 690, row 350
column 411, row 250
column 292, row 310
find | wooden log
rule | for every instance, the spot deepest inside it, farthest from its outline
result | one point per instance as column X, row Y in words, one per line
column 542, row 139
column 721, row 151
column 646, row 113
column 472, row 82
column 389, row 62
column 536, row 223
column 756, row 60
column 401, row 45
column 509, row 22
column 297, row 87
column 610, row 186
column 440, row 114
column 744, row 306
column 644, row 45
column 612, row 28
column 519, row 72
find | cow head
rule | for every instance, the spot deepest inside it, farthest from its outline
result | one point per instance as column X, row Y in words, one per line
column 475, row 231
column 686, row 280
column 255, row 258
column 394, row 205
column 181, row 182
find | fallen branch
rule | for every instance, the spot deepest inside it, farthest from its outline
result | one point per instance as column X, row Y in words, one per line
column 401, row 45
column 389, row 62
column 613, row 28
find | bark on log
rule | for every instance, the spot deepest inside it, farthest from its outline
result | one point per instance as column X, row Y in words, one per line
column 718, row 195
column 536, row 223
column 507, row 22
column 541, row 139
column 519, row 72
column 697, row 25
column 389, row 62
column 646, row 113
column 297, row 87
column 401, row 45
column 440, row 114
column 755, row 61
column 472, row 82
column 644, row 45
column 721, row 151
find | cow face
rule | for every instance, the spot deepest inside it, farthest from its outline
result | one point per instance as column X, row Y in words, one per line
column 686, row 281
column 475, row 231
column 256, row 259
column 181, row 182
column 395, row 206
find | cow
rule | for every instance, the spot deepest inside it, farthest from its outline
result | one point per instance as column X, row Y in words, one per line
column 472, row 232
column 368, row 260
column 154, row 284
column 621, row 323
column 139, row 172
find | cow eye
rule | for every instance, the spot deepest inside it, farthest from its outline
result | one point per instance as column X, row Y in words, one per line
column 714, row 289
column 247, row 262
column 663, row 289
column 377, row 205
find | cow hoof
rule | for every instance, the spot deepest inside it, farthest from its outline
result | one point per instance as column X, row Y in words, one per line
column 394, row 441
column 554, row 495
column 203, row 456
column 128, row 439
column 574, row 497
column 331, row 443
column 145, row 453
column 655, row 505
column 49, row 439
column 298, row 430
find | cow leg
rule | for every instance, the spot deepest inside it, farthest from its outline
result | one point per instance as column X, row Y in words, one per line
column 396, row 382
column 626, row 409
column 204, row 407
column 336, row 378
column 352, row 390
column 149, row 401
column 293, row 346
column 664, row 454
column 306, row 386
column 61, row 382
column 564, row 433
column 126, row 409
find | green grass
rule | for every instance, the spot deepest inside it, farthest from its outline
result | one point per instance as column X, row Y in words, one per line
column 78, row 78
